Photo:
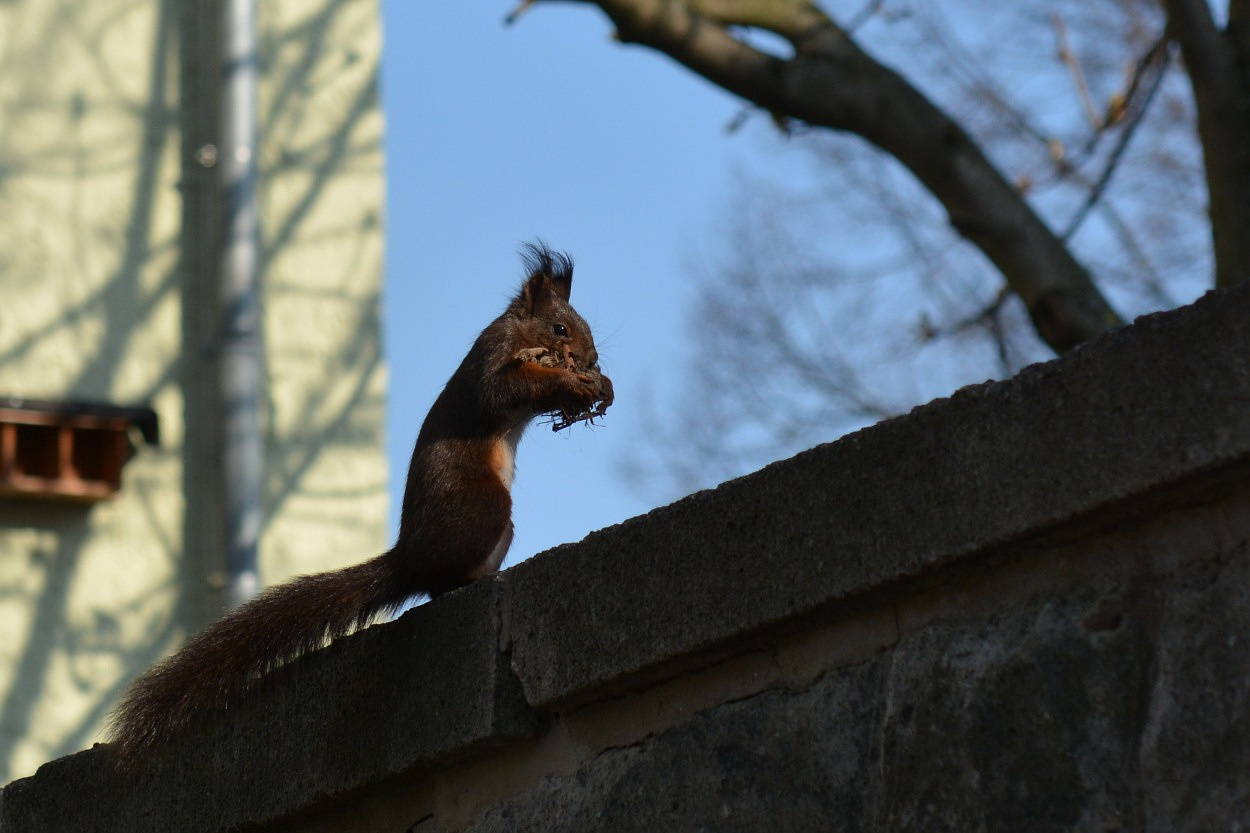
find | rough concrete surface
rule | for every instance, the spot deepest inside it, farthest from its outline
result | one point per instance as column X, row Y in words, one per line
column 1122, row 704
column 432, row 686
column 1022, row 608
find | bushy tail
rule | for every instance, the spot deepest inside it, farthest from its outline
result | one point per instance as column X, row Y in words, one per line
column 219, row 663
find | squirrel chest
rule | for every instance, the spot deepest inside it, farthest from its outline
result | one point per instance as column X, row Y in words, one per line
column 503, row 455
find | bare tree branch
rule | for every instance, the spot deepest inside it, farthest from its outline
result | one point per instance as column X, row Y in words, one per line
column 1239, row 25
column 800, row 336
column 830, row 82
column 1217, row 63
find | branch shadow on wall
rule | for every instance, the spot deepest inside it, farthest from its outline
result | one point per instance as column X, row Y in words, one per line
column 127, row 298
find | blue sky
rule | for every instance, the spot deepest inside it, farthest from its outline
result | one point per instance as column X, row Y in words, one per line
column 549, row 129
column 546, row 129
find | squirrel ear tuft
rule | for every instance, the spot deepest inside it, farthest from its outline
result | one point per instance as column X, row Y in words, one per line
column 548, row 271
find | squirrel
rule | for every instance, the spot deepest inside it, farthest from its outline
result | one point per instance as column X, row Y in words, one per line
column 537, row 358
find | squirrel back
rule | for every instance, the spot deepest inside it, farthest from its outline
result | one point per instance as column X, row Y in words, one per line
column 537, row 358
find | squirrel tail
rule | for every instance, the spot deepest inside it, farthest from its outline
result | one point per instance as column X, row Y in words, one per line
column 224, row 659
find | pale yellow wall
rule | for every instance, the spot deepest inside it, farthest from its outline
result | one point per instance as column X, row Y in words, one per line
column 90, row 290
column 323, row 153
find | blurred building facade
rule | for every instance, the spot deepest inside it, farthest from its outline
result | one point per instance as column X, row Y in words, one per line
column 107, row 232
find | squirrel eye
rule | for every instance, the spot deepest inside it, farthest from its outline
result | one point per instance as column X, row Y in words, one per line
column 560, row 330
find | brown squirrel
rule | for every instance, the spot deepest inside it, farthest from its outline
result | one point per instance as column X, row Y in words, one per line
column 537, row 358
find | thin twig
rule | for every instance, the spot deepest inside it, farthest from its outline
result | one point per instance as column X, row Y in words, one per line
column 988, row 313
column 864, row 15
column 1158, row 56
column 1078, row 75
column 1141, row 67
column 516, row 13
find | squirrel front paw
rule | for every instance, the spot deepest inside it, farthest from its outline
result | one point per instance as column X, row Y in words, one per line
column 590, row 398
column 584, row 393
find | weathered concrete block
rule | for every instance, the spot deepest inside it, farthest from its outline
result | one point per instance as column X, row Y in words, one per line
column 783, row 760
column 1118, row 703
column 1025, row 721
column 1194, row 748
column 433, row 686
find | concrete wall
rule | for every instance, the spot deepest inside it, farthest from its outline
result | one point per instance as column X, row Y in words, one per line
column 95, row 159
column 1025, row 607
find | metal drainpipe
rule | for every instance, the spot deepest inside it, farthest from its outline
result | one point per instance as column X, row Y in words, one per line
column 241, row 377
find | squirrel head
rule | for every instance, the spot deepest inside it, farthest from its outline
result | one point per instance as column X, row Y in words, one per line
column 542, row 314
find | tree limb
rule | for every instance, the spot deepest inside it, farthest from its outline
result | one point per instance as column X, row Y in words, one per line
column 1239, row 26
column 1218, row 63
column 830, row 82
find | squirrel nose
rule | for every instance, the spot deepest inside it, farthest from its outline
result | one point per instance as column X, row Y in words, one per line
column 591, row 358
